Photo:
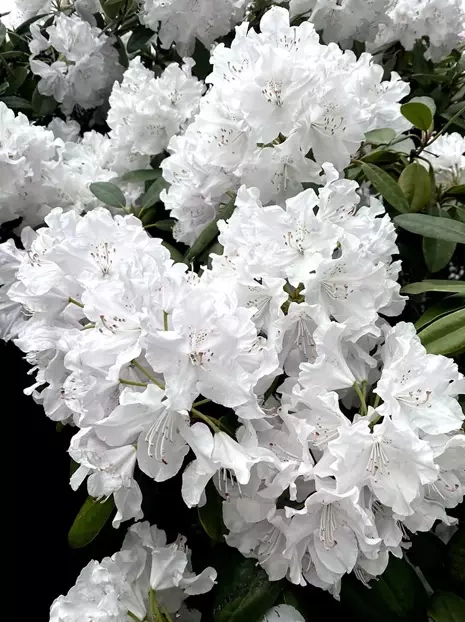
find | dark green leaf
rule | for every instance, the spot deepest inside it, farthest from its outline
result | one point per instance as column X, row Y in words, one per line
column 456, row 191
column 108, row 193
column 2, row 33
column 445, row 335
column 211, row 514
column 245, row 594
column 386, row 186
column 432, row 227
column 24, row 27
column 88, row 523
column 433, row 285
column 428, row 553
column 43, row 105
column 418, row 114
column 382, row 156
column 141, row 175
column 175, row 254
column 165, row 225
column 446, row 607
column 201, row 55
column 415, row 183
column 443, row 307
column 16, row 81
column 396, row 596
column 209, row 233
column 152, row 195
column 437, row 253
column 380, row 137
column 456, row 557
column 16, row 102
column 139, row 39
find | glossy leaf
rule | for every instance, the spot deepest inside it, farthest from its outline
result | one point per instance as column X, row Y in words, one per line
column 2, row 33
column 16, row 102
column 445, row 335
column 141, row 175
column 209, row 233
column 397, row 595
column 437, row 253
column 165, row 225
column 108, row 193
column 446, row 607
column 211, row 514
column 43, row 105
column 443, row 307
column 415, row 183
column 152, row 195
column 434, row 286
column 89, row 522
column 175, row 254
column 386, row 186
column 245, row 594
column 380, row 137
column 432, row 227
column 139, row 39
column 24, row 27
column 456, row 191
column 418, row 114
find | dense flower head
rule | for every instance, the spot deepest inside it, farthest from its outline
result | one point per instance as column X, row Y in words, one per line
column 276, row 96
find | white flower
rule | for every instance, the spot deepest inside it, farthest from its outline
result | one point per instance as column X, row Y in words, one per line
column 282, row 613
column 447, row 157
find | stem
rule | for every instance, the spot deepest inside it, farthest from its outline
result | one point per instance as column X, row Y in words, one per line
column 165, row 320
column 133, row 616
column 133, row 383
column 149, row 376
column 361, row 397
column 451, row 120
column 201, row 402
column 377, row 401
column 205, row 418
column 75, row 302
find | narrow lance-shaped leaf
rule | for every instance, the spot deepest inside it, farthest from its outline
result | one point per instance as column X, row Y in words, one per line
column 446, row 335
column 152, row 195
column 386, row 186
column 141, row 175
column 433, row 285
column 108, row 193
column 432, row 227
column 441, row 308
column 89, row 522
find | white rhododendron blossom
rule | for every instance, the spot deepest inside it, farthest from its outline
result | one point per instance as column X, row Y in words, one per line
column 182, row 22
column 275, row 96
column 383, row 22
column 146, row 569
column 210, row 208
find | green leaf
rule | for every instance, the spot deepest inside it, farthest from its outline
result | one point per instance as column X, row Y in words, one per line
column 152, row 195
column 428, row 553
column 24, row 27
column 89, row 522
column 16, row 102
column 175, row 254
column 43, row 105
column 432, row 227
column 139, row 39
column 165, row 225
column 245, row 594
column 141, row 175
column 415, row 183
column 446, row 607
column 456, row 191
column 210, row 232
column 437, row 253
column 108, row 193
column 397, row 595
column 443, row 307
column 418, row 114
column 2, row 33
column 433, row 285
column 386, row 186
column 380, row 137
column 16, row 81
column 446, row 335
column 456, row 557
column 211, row 514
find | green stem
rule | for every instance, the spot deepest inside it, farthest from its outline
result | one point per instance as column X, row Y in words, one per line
column 133, row 383
column 377, row 401
column 75, row 302
column 201, row 402
column 149, row 376
column 361, row 397
column 133, row 616
column 165, row 320
column 196, row 413
column 155, row 613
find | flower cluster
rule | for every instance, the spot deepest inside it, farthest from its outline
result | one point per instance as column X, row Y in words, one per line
column 383, row 22
column 316, row 481
column 181, row 22
column 147, row 576
column 45, row 168
column 276, row 96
